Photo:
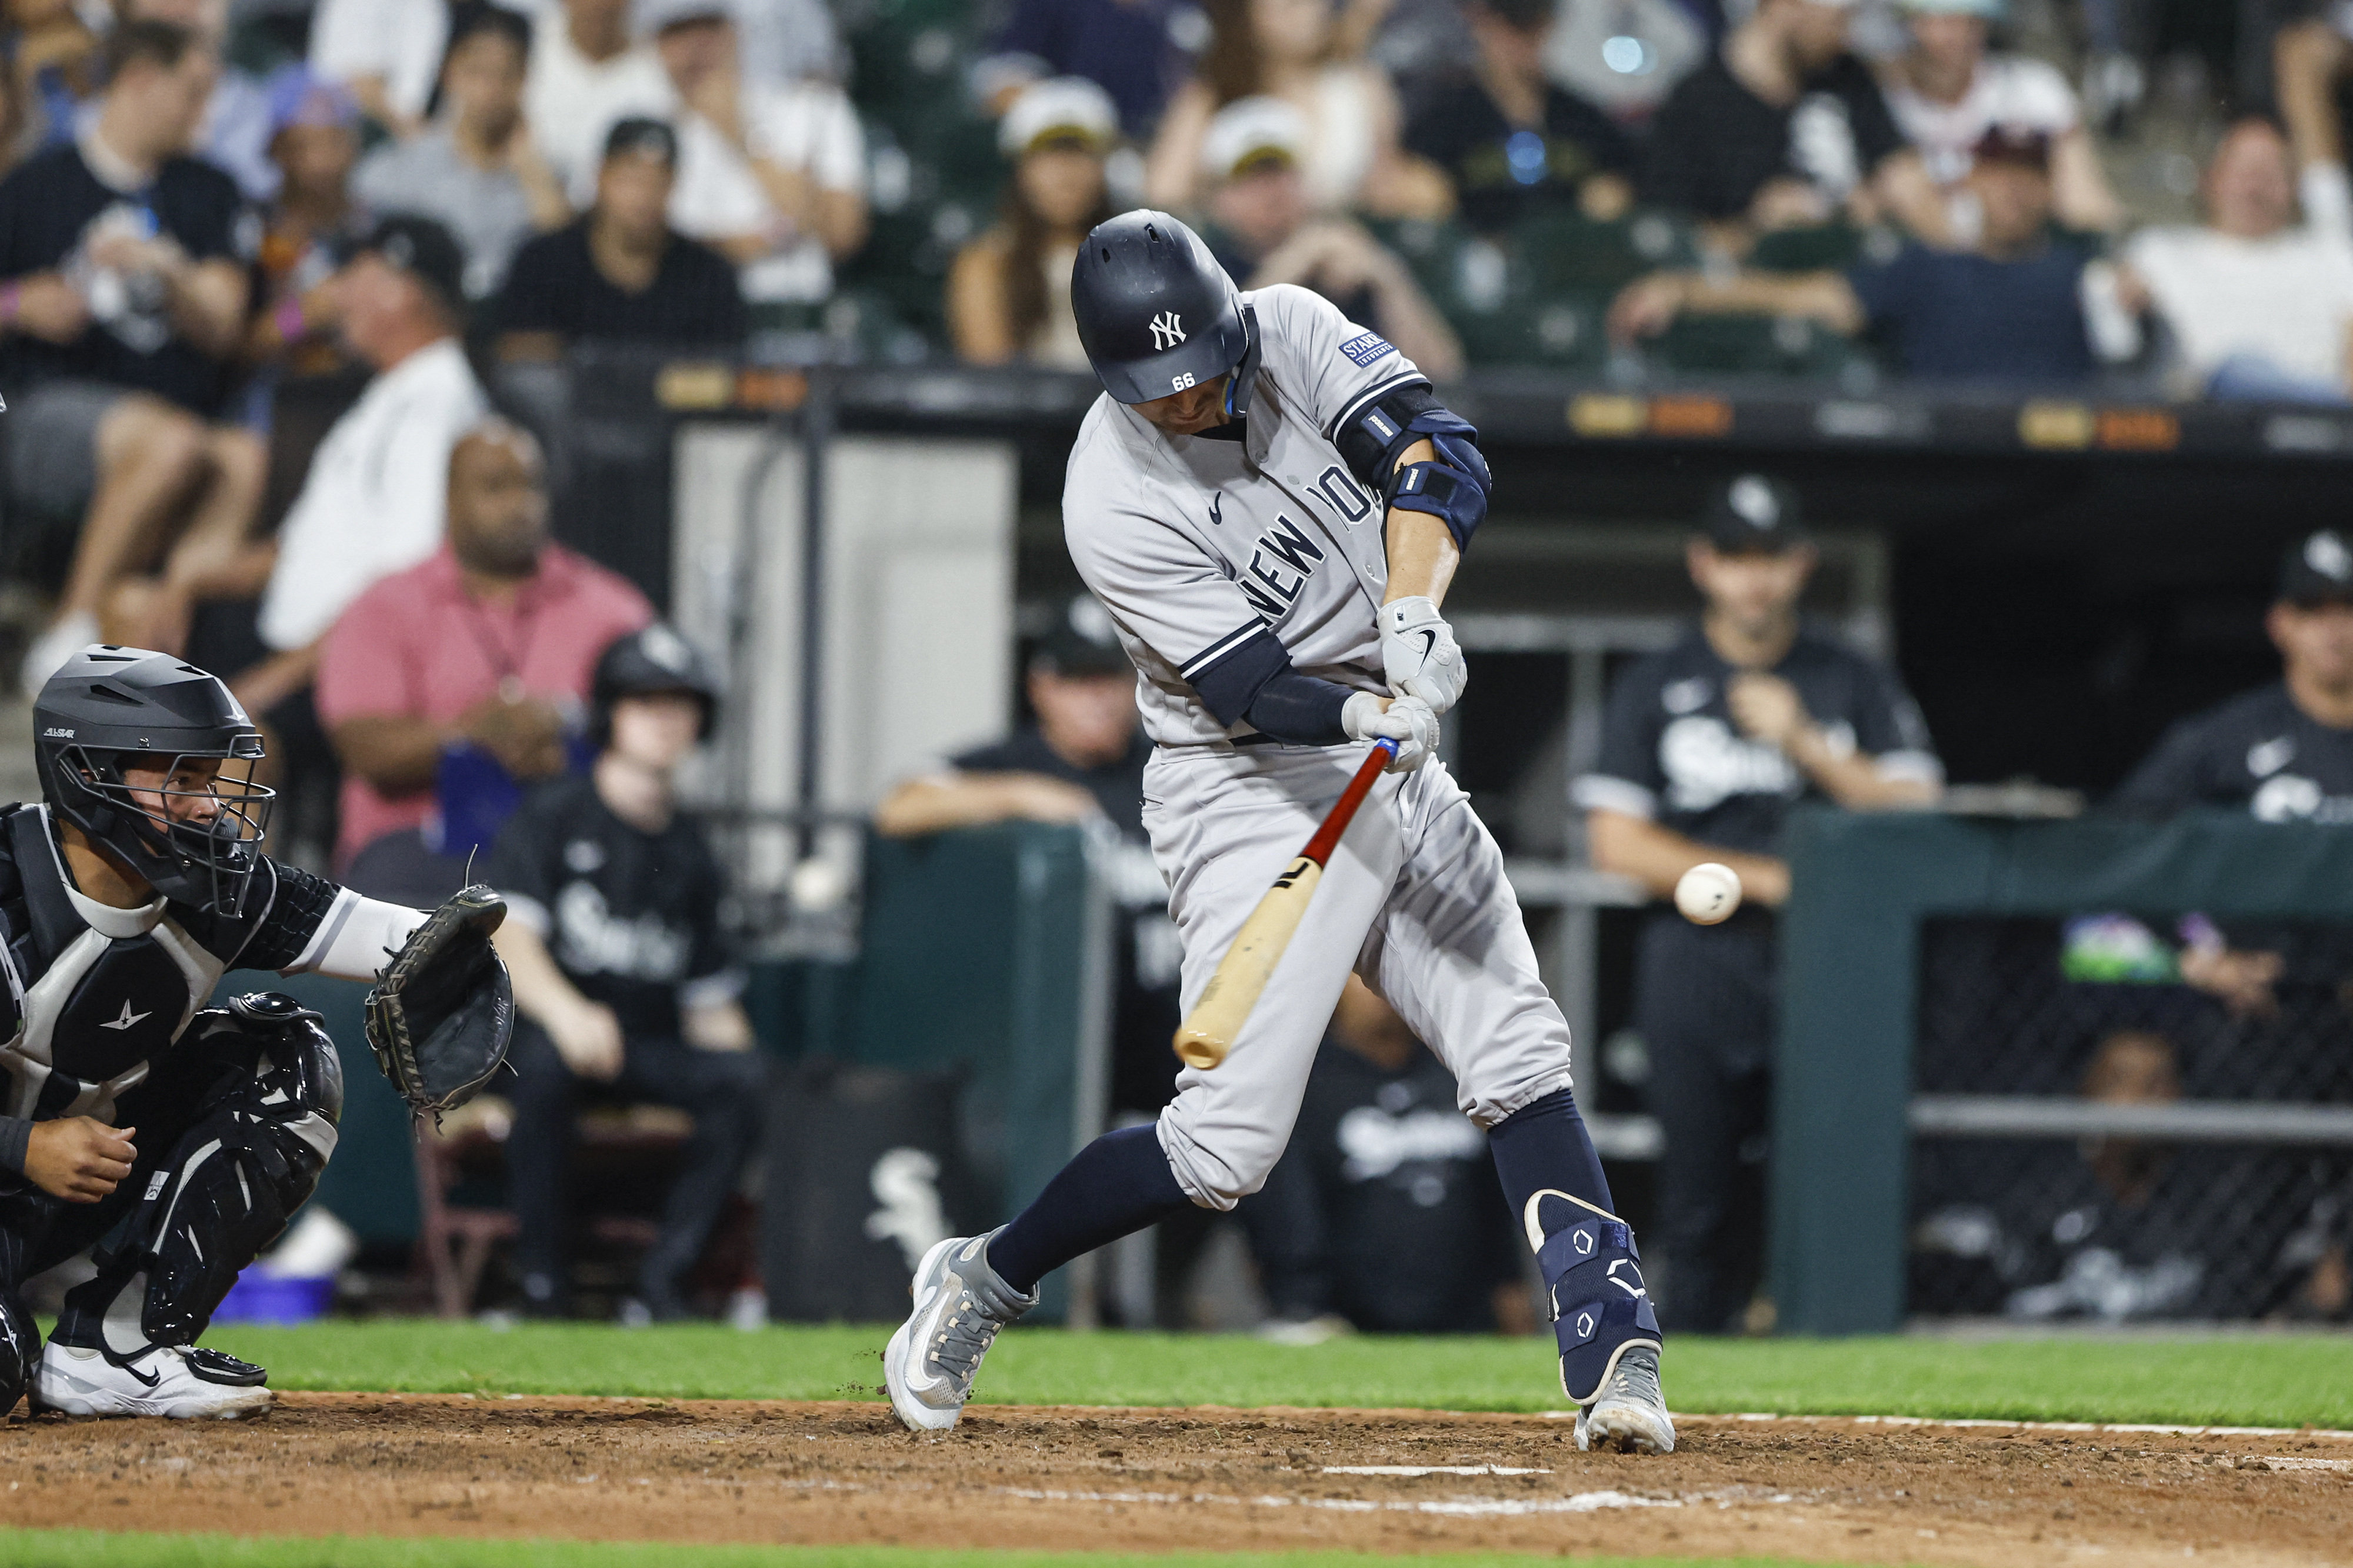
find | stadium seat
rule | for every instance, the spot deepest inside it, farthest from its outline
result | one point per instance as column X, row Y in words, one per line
column 1565, row 252
column 1752, row 346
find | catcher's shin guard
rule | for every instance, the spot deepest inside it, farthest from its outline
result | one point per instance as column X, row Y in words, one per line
column 20, row 1348
column 245, row 1163
column 1593, row 1278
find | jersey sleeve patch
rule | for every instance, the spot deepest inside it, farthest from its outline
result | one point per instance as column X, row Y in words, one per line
column 1366, row 348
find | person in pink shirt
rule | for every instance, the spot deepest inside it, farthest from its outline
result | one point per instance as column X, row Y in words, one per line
column 472, row 665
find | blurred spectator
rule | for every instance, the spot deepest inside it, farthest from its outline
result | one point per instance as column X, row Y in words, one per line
column 373, row 502
column 620, row 273
column 309, row 229
column 1704, row 749
column 2309, row 61
column 1135, row 50
column 1626, row 56
column 1948, row 94
column 476, row 660
column 1783, row 128
column 1384, row 1211
column 234, row 134
column 1266, row 232
column 622, row 974
column 588, row 73
column 124, row 300
column 1509, row 139
column 387, row 52
column 56, row 64
column 2016, row 309
column 1009, row 292
column 1284, row 48
column 476, row 169
column 1080, row 760
column 773, row 178
column 786, row 41
column 2258, row 305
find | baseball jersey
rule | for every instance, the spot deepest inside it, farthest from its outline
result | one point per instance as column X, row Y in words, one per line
column 1204, row 546
column 2259, row 753
column 1671, row 753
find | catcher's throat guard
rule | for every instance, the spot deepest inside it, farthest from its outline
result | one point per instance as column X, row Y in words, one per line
column 442, row 1011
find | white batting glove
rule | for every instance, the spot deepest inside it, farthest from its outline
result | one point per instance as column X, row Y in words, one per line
column 1419, row 654
column 1407, row 720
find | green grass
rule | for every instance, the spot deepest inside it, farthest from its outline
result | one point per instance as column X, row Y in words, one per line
column 100, row 1549
column 2254, row 1381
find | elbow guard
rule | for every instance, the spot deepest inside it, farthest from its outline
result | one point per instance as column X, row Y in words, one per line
column 1454, row 488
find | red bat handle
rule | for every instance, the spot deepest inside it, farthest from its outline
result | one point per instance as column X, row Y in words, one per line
column 1327, row 838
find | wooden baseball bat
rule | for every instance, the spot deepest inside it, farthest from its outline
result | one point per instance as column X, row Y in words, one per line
column 1209, row 1029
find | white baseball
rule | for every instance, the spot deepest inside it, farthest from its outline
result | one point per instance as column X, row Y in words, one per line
column 1708, row 893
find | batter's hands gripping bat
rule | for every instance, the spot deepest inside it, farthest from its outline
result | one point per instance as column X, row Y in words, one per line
column 1208, row 1030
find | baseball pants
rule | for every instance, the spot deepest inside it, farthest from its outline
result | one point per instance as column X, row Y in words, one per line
column 1414, row 900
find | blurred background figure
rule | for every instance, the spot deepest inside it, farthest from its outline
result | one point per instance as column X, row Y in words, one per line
column 1266, row 231
column 588, row 70
column 476, row 170
column 389, row 53
column 309, row 229
column 235, row 132
column 1286, row 50
column 627, row 986
column 1135, row 50
column 1706, row 748
column 1384, row 1214
column 1009, row 292
column 1625, row 56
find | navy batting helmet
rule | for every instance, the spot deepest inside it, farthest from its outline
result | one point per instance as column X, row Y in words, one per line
column 1156, row 313
column 656, row 659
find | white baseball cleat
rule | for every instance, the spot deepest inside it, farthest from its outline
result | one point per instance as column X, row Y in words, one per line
column 1631, row 1412
column 181, row 1382
column 960, row 1303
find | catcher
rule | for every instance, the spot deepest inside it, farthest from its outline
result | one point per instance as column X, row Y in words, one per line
column 157, row 1144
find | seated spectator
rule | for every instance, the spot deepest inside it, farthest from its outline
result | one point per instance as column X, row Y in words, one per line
column 476, row 170
column 1381, row 1151
column 482, row 655
column 56, row 64
column 1783, row 128
column 235, row 132
column 1509, row 139
column 1135, row 50
column 1266, row 232
column 374, row 501
column 387, row 52
column 588, row 73
column 2259, row 304
column 1946, row 93
column 772, row 178
column 309, row 229
column 622, row 975
column 620, row 273
column 124, row 300
column 1284, row 48
column 1009, row 291
column 2012, row 311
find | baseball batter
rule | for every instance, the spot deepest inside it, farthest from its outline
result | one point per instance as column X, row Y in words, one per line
column 1271, row 501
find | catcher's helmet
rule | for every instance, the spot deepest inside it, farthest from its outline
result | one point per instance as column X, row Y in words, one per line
column 1156, row 313
column 654, row 659
column 112, row 707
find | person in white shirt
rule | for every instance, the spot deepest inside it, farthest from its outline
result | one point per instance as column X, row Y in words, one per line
column 386, row 52
column 1948, row 91
column 588, row 75
column 374, row 501
column 773, row 178
column 2259, row 305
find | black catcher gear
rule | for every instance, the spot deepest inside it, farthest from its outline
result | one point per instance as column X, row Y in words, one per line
column 1157, row 314
column 196, row 839
column 645, row 662
column 442, row 1012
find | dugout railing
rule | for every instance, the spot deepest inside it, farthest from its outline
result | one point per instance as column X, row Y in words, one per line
column 1933, row 1037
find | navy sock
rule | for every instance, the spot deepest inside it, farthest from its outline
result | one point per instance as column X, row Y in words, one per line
column 1544, row 1145
column 1114, row 1186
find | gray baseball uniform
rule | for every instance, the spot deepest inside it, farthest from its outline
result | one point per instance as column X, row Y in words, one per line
column 1210, row 553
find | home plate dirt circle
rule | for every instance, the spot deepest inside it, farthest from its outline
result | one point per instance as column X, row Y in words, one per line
column 1206, row 1480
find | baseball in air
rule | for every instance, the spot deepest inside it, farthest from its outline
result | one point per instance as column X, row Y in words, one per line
column 1708, row 893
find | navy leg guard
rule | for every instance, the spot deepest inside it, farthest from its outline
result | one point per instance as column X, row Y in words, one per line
column 1593, row 1278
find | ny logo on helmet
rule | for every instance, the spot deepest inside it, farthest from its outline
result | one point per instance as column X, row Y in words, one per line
column 1167, row 331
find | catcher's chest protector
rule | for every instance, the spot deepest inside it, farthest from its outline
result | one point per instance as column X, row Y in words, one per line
column 95, row 996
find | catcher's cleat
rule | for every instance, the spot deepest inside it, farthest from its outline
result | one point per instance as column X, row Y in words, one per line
column 179, row 1382
column 960, row 1303
column 1630, row 1414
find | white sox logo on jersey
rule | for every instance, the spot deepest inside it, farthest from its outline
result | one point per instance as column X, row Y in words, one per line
column 1167, row 330
column 1280, row 564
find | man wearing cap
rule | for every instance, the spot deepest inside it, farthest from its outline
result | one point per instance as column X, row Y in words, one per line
column 2017, row 309
column 1009, row 291
column 588, row 72
column 621, row 273
column 1706, row 747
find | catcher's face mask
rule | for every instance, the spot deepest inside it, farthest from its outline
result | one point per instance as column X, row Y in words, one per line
column 191, row 825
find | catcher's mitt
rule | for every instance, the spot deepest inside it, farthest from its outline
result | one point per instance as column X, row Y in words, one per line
column 440, row 1014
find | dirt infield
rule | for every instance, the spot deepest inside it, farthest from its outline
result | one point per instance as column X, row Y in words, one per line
column 1202, row 1479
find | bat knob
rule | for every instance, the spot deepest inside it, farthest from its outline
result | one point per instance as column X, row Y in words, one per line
column 1196, row 1049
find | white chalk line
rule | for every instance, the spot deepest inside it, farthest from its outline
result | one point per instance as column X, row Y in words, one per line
column 1431, row 1470
column 1453, row 1507
column 1682, row 1417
